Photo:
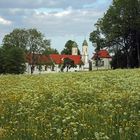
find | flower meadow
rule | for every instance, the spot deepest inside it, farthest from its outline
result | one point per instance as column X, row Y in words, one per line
column 98, row 105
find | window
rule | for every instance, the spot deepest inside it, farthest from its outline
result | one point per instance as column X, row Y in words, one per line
column 102, row 63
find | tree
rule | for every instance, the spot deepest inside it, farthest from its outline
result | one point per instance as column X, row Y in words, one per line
column 36, row 41
column 117, row 60
column 125, row 26
column 67, row 63
column 2, row 60
column 121, row 27
column 12, row 60
column 36, row 45
column 18, row 38
column 98, row 41
column 31, row 40
column 68, row 47
column 96, row 38
column 50, row 50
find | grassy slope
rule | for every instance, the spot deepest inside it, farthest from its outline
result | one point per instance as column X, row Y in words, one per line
column 90, row 105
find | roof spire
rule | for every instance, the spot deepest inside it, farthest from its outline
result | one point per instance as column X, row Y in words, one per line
column 85, row 43
column 74, row 45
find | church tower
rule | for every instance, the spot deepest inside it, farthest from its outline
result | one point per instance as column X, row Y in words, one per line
column 74, row 49
column 85, row 52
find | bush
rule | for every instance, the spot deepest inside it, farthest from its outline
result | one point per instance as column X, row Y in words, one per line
column 12, row 60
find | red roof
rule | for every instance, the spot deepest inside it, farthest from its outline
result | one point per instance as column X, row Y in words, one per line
column 58, row 59
column 101, row 54
column 55, row 58
column 38, row 58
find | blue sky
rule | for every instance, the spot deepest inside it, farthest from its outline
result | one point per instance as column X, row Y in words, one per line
column 58, row 20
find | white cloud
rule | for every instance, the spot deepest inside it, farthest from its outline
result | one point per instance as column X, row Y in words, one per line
column 54, row 18
column 4, row 21
column 66, row 22
column 31, row 4
column 63, row 13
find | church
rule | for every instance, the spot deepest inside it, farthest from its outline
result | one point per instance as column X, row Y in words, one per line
column 54, row 62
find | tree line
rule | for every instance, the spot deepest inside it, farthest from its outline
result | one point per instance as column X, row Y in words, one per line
column 20, row 42
column 17, row 44
column 119, row 32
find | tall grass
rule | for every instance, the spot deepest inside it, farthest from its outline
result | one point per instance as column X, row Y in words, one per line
column 71, row 106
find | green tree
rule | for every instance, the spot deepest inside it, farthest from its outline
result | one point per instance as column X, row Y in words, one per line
column 18, row 38
column 96, row 38
column 68, row 47
column 36, row 44
column 31, row 40
column 117, row 60
column 67, row 63
column 12, row 60
column 98, row 41
column 124, row 17
column 2, row 60
column 50, row 50
column 121, row 27
column 36, row 41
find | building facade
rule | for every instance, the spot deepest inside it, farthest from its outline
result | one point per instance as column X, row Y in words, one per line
column 85, row 55
column 38, row 63
column 101, row 60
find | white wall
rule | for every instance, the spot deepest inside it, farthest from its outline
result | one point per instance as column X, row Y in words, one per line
column 106, row 65
column 49, row 69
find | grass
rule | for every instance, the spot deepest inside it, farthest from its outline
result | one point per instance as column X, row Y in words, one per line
column 97, row 105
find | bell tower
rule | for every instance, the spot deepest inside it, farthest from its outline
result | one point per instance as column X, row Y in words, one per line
column 74, row 49
column 85, row 52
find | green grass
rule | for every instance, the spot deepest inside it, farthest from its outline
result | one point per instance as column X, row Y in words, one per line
column 97, row 105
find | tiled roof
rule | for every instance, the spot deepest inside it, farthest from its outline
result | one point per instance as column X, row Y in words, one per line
column 55, row 58
column 44, row 59
column 58, row 59
column 101, row 54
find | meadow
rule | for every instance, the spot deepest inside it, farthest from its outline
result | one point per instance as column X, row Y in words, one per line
column 99, row 105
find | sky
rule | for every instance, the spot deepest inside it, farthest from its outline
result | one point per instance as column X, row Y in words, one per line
column 58, row 20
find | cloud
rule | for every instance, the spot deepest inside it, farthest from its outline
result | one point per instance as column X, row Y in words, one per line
column 69, row 21
column 4, row 21
column 44, row 3
column 54, row 18
column 62, row 14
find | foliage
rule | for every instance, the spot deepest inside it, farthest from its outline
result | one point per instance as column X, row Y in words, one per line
column 71, row 106
column 97, row 40
column 31, row 40
column 117, row 60
column 18, row 38
column 12, row 60
column 120, row 26
column 2, row 60
column 67, row 63
column 68, row 47
column 50, row 50
column 36, row 41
